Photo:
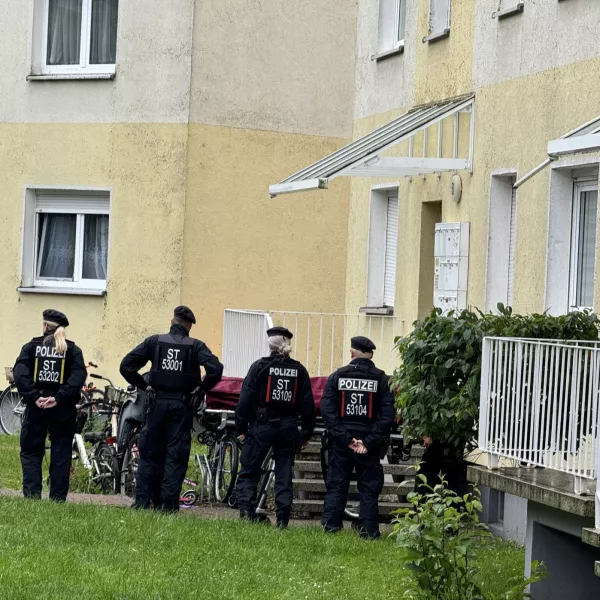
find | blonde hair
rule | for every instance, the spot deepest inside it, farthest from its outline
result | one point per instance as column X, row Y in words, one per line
column 58, row 337
column 279, row 344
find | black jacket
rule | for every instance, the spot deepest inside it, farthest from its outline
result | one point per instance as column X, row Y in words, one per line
column 69, row 393
column 139, row 357
column 373, row 436
column 245, row 412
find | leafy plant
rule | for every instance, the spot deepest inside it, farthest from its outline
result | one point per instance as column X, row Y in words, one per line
column 437, row 385
column 442, row 538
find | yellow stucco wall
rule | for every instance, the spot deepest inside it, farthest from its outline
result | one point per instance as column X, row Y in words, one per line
column 145, row 166
column 514, row 120
column 243, row 249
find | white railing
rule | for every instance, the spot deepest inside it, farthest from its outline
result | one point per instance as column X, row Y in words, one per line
column 321, row 340
column 539, row 404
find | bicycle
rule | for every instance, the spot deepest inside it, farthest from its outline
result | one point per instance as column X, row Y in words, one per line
column 12, row 407
column 218, row 469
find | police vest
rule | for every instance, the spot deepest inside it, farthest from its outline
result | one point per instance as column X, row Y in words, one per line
column 280, row 384
column 359, row 393
column 174, row 368
column 51, row 369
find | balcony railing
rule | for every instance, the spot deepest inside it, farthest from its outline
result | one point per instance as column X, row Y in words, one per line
column 540, row 405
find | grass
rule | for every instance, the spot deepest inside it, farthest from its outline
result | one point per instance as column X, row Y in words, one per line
column 70, row 551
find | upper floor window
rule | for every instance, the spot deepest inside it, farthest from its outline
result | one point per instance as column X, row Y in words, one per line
column 79, row 36
column 392, row 19
column 583, row 245
column 439, row 19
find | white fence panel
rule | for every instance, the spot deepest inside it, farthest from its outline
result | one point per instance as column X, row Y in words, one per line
column 244, row 340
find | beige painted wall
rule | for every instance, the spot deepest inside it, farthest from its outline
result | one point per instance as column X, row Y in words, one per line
column 145, row 166
column 243, row 249
column 276, row 66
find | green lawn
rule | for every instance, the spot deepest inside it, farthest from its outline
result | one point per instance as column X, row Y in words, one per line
column 69, row 552
column 73, row 551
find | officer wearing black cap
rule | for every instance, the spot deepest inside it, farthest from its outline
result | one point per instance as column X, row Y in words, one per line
column 358, row 411
column 275, row 392
column 165, row 440
column 49, row 375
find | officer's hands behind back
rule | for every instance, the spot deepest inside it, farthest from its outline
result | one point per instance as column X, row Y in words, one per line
column 49, row 402
column 357, row 446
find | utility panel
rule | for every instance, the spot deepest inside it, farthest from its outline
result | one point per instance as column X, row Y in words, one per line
column 451, row 253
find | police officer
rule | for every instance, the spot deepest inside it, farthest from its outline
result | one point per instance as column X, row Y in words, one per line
column 49, row 374
column 275, row 391
column 358, row 411
column 166, row 439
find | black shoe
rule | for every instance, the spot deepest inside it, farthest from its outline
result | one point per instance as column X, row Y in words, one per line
column 281, row 525
column 373, row 535
column 246, row 515
column 261, row 518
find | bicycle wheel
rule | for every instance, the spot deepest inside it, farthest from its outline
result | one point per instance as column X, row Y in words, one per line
column 129, row 467
column 105, row 472
column 227, row 468
column 265, row 498
column 12, row 410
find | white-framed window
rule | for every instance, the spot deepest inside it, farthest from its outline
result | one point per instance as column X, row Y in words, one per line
column 582, row 271
column 383, row 248
column 392, row 21
column 76, row 36
column 439, row 19
column 65, row 240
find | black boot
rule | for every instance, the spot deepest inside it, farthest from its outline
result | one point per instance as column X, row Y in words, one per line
column 262, row 518
column 246, row 515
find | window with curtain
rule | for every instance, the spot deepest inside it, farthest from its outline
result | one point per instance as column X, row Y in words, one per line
column 71, row 240
column 583, row 246
column 392, row 19
column 81, row 35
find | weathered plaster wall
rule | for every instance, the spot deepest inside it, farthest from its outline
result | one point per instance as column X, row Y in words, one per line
column 245, row 250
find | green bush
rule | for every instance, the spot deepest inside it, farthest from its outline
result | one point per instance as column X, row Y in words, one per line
column 437, row 385
column 442, row 538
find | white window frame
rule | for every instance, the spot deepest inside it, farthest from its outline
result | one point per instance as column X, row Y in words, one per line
column 378, row 210
column 29, row 249
column 390, row 40
column 442, row 30
column 580, row 186
column 84, row 66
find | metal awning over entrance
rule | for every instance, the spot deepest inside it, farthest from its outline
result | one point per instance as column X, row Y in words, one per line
column 585, row 138
column 361, row 158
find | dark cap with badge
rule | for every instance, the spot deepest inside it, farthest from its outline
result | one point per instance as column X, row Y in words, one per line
column 280, row 331
column 362, row 344
column 183, row 312
column 55, row 316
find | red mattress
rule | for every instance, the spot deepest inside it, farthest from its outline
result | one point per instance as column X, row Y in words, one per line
column 225, row 395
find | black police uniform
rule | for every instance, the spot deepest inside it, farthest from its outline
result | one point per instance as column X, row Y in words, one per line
column 41, row 372
column 275, row 391
column 165, row 440
column 357, row 403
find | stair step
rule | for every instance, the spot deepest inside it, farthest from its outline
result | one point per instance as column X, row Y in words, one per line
column 318, row 485
column 314, row 447
column 316, row 506
column 591, row 536
column 314, row 466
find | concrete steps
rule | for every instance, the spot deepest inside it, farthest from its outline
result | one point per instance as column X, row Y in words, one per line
column 315, row 507
column 389, row 489
column 314, row 466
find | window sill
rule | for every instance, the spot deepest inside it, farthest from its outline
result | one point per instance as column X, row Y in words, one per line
column 439, row 35
column 61, row 290
column 381, row 311
column 383, row 55
column 508, row 12
column 69, row 76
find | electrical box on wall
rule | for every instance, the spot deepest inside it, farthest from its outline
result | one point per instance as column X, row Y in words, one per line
column 451, row 251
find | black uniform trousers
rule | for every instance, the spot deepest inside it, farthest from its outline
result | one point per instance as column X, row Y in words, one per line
column 369, row 478
column 282, row 436
column 165, row 443
column 37, row 424
column 436, row 460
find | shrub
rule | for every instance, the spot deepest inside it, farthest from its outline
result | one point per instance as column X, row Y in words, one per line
column 437, row 385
